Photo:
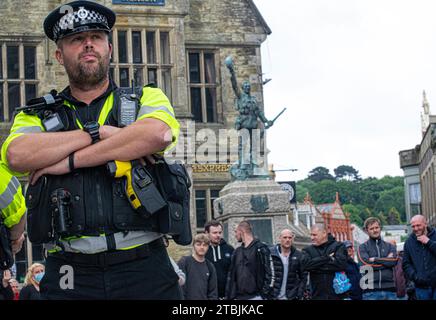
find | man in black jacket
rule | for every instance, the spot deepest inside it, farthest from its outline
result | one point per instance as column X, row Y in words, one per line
column 250, row 270
column 323, row 259
column 219, row 253
column 289, row 279
column 381, row 258
column 419, row 261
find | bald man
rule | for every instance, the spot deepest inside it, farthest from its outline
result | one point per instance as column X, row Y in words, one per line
column 289, row 280
column 322, row 260
column 249, row 275
column 419, row 261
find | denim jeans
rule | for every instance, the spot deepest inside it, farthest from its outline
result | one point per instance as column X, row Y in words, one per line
column 380, row 295
column 426, row 294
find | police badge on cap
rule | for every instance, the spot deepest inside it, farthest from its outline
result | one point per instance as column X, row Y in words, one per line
column 78, row 16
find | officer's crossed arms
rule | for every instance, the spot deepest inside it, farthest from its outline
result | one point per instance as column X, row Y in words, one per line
column 49, row 152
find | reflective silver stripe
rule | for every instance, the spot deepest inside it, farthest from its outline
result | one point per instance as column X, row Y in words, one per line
column 146, row 110
column 8, row 195
column 134, row 238
column 86, row 245
column 91, row 245
column 28, row 129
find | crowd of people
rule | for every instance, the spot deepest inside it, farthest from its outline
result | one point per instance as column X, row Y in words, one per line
column 29, row 290
column 325, row 270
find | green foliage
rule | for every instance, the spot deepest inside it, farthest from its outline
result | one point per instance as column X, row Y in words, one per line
column 362, row 198
column 391, row 198
column 324, row 191
column 354, row 211
column 320, row 173
column 303, row 188
column 393, row 216
column 347, row 173
column 382, row 218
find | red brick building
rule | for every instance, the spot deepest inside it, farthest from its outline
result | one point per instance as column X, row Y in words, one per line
column 336, row 220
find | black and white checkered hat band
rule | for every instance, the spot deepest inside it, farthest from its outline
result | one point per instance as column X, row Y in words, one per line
column 78, row 18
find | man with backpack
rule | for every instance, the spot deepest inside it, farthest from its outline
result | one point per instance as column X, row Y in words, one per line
column 353, row 272
column 201, row 280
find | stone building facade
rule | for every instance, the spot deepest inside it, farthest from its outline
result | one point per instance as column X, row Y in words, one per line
column 419, row 166
column 178, row 44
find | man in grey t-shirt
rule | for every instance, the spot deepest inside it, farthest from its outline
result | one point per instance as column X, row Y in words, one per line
column 201, row 279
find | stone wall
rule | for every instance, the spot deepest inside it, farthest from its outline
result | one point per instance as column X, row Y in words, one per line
column 228, row 26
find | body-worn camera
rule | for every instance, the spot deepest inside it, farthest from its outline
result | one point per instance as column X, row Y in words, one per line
column 61, row 202
column 46, row 108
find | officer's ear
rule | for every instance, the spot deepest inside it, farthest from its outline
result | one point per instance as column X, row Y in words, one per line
column 59, row 54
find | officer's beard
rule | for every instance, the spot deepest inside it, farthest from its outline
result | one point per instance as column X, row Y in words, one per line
column 87, row 76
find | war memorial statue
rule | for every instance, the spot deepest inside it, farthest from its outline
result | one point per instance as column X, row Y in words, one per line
column 247, row 124
column 253, row 194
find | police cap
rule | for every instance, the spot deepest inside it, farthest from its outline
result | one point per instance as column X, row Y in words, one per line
column 78, row 16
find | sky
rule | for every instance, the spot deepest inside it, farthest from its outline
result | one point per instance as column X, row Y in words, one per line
column 351, row 74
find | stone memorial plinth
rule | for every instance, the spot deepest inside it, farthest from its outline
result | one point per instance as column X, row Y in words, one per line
column 263, row 203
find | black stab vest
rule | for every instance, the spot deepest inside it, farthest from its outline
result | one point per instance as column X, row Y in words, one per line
column 98, row 203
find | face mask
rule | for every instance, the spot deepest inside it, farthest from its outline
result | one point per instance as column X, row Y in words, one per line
column 38, row 277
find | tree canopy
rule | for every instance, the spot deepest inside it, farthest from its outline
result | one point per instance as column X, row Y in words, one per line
column 320, row 173
column 362, row 198
column 347, row 173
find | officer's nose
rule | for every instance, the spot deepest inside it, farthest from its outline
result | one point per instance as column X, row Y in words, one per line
column 88, row 43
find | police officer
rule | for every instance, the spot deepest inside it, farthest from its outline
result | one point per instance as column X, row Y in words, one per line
column 12, row 221
column 12, row 207
column 113, row 252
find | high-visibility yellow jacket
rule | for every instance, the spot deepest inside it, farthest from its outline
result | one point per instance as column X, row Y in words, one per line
column 12, row 202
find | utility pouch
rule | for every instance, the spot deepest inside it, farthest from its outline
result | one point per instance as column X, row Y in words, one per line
column 6, row 256
column 39, row 218
column 174, row 183
column 148, row 195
